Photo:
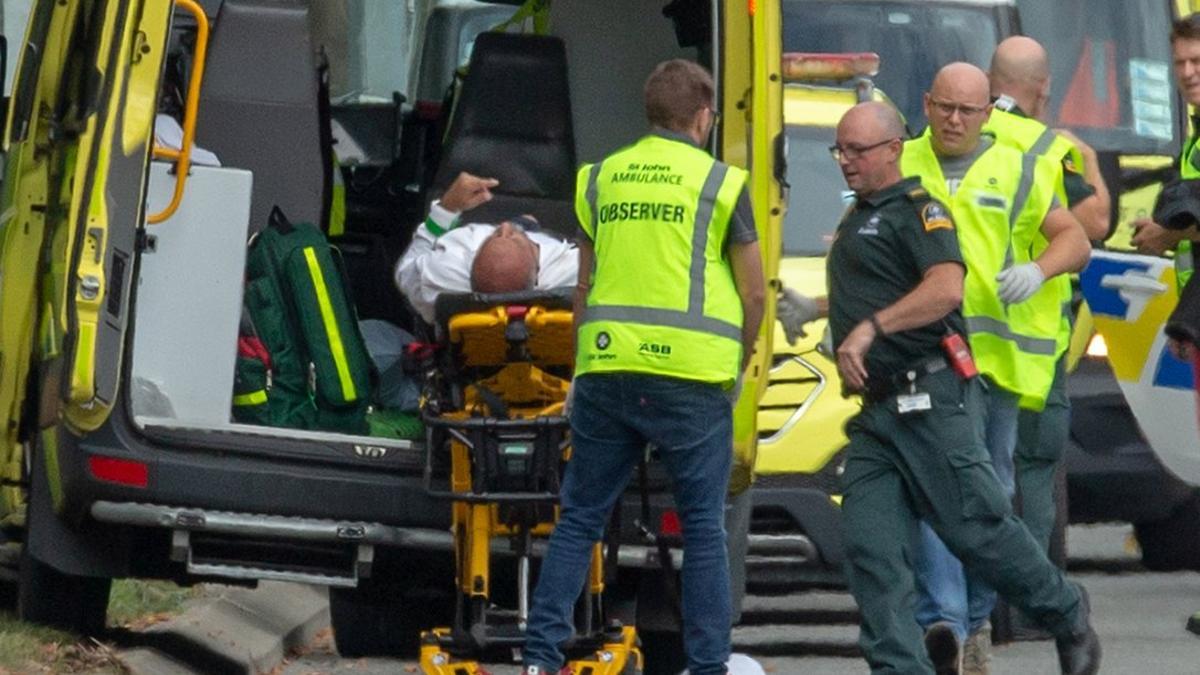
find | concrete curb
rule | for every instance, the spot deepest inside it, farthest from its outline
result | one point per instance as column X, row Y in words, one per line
column 242, row 632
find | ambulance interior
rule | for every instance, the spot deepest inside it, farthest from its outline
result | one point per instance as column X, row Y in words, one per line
column 268, row 132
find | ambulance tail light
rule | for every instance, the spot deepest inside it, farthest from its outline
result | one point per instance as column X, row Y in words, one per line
column 818, row 67
column 669, row 525
column 120, row 471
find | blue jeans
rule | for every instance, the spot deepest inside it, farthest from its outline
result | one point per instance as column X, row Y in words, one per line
column 945, row 592
column 613, row 418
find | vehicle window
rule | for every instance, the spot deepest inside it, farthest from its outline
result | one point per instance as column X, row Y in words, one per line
column 1100, row 49
column 816, row 202
column 369, row 47
column 449, row 36
column 13, row 20
column 913, row 40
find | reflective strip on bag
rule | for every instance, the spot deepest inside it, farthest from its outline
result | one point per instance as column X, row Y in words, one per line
column 253, row 398
column 336, row 348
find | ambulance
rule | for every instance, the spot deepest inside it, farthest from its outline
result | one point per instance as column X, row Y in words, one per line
column 853, row 50
column 147, row 140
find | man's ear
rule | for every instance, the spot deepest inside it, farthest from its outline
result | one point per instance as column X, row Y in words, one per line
column 698, row 131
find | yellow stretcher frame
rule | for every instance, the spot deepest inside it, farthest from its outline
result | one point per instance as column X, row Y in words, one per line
column 481, row 340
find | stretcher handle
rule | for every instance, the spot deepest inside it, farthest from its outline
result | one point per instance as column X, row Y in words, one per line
column 183, row 156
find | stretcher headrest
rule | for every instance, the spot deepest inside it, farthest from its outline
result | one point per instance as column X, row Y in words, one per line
column 450, row 304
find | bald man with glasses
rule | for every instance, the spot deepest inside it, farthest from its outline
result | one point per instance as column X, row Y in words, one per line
column 1015, row 235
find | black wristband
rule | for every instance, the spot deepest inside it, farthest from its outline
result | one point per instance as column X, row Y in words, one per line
column 875, row 324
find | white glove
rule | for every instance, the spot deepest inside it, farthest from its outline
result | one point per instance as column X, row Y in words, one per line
column 1018, row 284
column 793, row 311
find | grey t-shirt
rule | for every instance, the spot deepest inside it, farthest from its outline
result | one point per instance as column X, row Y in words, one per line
column 955, row 168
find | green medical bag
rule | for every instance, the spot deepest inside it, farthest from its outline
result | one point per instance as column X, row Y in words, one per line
column 299, row 304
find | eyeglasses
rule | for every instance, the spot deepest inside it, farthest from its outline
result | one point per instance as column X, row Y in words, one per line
column 947, row 109
column 716, row 114
column 853, row 152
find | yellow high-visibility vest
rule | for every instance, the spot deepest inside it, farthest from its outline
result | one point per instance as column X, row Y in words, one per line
column 1030, row 135
column 1183, row 250
column 999, row 207
column 662, row 299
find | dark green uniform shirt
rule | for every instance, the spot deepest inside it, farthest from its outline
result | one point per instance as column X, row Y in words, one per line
column 881, row 251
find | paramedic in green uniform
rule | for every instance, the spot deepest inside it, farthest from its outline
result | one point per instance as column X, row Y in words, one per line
column 1020, row 81
column 895, row 291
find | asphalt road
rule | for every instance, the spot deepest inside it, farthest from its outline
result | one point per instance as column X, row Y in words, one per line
column 1140, row 617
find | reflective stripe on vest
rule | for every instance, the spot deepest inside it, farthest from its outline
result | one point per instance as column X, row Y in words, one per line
column 1185, row 250
column 1030, row 135
column 654, row 306
column 1033, row 137
column 693, row 318
column 1032, row 345
column 1016, row 345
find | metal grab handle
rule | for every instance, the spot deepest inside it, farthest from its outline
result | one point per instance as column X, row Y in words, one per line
column 183, row 156
column 1133, row 283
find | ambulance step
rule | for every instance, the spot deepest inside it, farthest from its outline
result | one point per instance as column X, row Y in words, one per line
column 207, row 554
column 780, row 549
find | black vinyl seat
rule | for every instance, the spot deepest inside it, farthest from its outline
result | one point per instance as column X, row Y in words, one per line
column 512, row 122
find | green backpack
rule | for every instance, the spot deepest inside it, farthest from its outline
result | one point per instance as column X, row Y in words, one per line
column 318, row 375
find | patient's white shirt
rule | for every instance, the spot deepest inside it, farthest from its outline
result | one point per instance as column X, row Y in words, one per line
column 433, row 265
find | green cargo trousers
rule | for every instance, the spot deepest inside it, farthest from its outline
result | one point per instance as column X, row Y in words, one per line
column 933, row 465
column 1041, row 438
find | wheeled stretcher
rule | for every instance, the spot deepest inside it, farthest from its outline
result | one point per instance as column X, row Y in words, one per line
column 497, row 443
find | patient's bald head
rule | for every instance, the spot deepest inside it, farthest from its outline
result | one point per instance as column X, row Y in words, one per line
column 506, row 262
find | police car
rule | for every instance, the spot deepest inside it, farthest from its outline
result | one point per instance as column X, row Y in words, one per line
column 1130, row 297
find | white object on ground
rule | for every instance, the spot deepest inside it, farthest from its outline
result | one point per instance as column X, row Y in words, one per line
column 740, row 664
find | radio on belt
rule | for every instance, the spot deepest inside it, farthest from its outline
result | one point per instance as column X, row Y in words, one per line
column 958, row 353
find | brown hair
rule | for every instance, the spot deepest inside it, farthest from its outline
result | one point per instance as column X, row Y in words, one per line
column 675, row 91
column 1186, row 28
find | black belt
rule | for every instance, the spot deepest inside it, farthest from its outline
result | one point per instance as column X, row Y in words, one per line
column 886, row 387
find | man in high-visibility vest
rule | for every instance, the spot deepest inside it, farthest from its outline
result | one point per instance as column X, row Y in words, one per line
column 667, row 310
column 1020, row 79
column 1152, row 237
column 896, row 287
column 1015, row 235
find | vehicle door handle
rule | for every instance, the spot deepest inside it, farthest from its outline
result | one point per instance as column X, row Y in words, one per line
column 1133, row 283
